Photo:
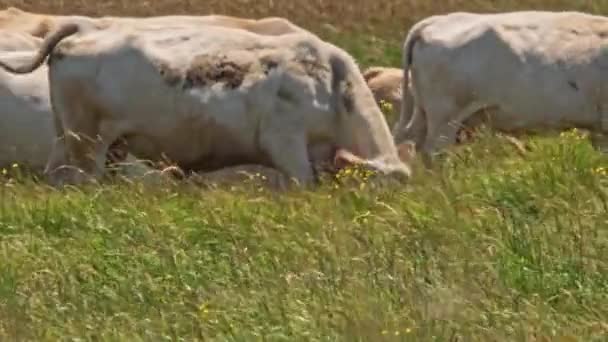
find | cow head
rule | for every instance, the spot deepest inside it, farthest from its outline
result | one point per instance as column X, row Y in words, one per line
column 384, row 165
column 362, row 131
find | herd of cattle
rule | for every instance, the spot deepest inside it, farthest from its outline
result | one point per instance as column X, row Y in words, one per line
column 215, row 95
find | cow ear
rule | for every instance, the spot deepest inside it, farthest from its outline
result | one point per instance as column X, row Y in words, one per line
column 344, row 158
column 406, row 151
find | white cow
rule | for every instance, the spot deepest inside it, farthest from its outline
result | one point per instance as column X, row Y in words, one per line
column 209, row 98
column 17, row 41
column 39, row 25
column 26, row 130
column 531, row 71
column 26, row 123
column 26, row 118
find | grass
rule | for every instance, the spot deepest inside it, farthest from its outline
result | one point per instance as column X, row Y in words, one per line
column 494, row 246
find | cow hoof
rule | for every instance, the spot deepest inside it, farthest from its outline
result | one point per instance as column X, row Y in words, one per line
column 68, row 175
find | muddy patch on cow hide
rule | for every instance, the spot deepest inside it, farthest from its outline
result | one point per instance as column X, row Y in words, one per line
column 206, row 70
column 171, row 76
column 268, row 63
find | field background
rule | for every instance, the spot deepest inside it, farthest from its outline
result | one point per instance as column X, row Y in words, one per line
column 493, row 246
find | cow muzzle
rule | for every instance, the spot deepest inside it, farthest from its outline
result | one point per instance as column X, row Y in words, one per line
column 379, row 168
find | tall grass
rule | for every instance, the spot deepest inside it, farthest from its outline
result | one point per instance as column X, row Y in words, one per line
column 493, row 246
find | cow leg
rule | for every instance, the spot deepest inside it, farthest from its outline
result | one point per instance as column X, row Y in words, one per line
column 86, row 151
column 289, row 154
column 415, row 129
column 440, row 139
column 407, row 110
column 599, row 141
column 443, row 127
column 57, row 160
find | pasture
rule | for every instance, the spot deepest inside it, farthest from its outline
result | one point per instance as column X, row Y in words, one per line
column 494, row 245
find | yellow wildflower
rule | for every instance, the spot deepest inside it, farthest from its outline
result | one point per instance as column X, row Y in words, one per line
column 601, row 171
column 203, row 310
column 386, row 106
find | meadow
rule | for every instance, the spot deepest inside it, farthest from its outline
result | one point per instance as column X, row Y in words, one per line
column 494, row 245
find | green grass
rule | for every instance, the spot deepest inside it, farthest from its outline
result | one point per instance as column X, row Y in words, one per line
column 493, row 247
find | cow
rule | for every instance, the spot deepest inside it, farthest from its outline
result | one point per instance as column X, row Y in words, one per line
column 210, row 97
column 385, row 84
column 530, row 71
column 24, row 101
column 27, row 132
column 39, row 25
column 26, row 121
column 25, row 117
column 29, row 146
column 18, row 41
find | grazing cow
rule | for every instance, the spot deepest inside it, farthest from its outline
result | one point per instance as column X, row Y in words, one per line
column 211, row 97
column 39, row 25
column 24, row 101
column 531, row 71
column 27, row 132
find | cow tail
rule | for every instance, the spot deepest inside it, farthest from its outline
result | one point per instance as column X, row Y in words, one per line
column 412, row 37
column 339, row 72
column 408, row 52
column 46, row 48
